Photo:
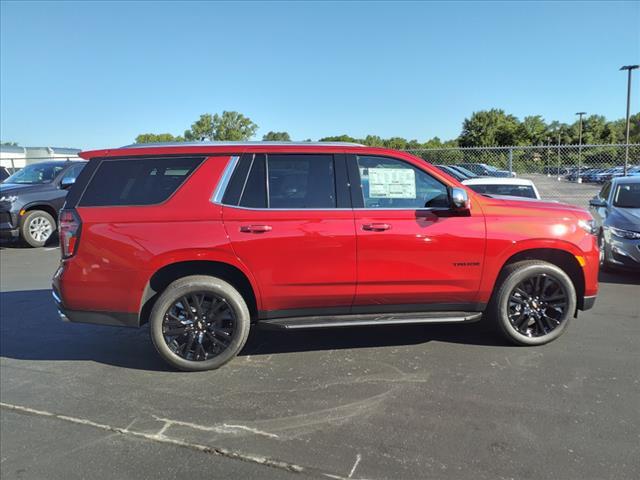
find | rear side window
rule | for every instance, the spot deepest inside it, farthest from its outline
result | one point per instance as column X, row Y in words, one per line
column 301, row 181
column 140, row 181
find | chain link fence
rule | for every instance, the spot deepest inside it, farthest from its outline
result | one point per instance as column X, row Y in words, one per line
column 566, row 173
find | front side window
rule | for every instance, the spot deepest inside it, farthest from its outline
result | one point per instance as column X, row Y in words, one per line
column 391, row 183
column 604, row 193
column 36, row 173
column 137, row 181
column 72, row 172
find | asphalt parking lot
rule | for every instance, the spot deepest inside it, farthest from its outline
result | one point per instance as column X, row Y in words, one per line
column 82, row 401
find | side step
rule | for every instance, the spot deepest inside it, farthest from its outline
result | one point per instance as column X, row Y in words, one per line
column 297, row 323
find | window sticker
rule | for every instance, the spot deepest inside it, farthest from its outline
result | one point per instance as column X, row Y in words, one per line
column 392, row 183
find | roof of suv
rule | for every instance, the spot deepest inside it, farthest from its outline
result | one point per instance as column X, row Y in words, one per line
column 206, row 148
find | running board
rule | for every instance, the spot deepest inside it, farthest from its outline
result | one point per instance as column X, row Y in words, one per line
column 355, row 320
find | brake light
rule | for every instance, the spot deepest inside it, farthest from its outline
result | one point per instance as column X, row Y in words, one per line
column 70, row 224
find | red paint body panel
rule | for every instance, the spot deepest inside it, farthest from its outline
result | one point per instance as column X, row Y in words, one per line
column 312, row 258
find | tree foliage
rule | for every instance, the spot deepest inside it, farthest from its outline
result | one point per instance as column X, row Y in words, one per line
column 9, row 144
column 276, row 137
column 484, row 128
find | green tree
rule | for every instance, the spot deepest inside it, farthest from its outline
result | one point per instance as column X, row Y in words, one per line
column 533, row 130
column 339, row 138
column 488, row 128
column 230, row 126
column 9, row 144
column 276, row 137
column 157, row 138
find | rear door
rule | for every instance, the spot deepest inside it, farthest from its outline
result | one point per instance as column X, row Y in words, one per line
column 413, row 254
column 290, row 221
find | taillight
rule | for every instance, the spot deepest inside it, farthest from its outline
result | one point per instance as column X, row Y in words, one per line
column 70, row 224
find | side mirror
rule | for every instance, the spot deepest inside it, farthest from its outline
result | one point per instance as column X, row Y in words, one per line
column 66, row 183
column 460, row 200
column 597, row 202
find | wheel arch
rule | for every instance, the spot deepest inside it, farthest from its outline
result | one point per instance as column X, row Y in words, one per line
column 562, row 259
column 168, row 273
column 45, row 207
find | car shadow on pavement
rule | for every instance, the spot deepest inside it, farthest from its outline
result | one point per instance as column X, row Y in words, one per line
column 17, row 244
column 621, row 277
column 31, row 330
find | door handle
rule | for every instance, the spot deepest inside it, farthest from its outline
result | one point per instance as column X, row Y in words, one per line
column 255, row 228
column 376, row 227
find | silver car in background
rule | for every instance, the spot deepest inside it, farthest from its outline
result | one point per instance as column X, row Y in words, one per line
column 616, row 211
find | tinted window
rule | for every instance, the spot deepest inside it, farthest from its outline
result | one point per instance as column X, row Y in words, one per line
column 254, row 191
column 390, row 183
column 137, row 181
column 301, row 181
column 525, row 191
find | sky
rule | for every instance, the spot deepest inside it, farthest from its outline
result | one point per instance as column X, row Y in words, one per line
column 96, row 74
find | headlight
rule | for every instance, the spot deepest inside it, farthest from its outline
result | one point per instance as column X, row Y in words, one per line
column 628, row 234
column 588, row 226
column 8, row 198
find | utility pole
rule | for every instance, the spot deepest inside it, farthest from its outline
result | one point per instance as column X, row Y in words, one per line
column 628, row 68
column 559, row 159
column 579, row 178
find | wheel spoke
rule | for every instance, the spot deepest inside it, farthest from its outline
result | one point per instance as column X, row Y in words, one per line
column 198, row 326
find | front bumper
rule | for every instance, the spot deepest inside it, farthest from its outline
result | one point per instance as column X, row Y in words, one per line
column 9, row 225
column 621, row 252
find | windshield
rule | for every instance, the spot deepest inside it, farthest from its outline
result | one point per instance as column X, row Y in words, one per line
column 627, row 196
column 465, row 171
column 35, row 174
column 490, row 168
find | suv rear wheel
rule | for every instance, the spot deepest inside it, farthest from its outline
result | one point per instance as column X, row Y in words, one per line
column 36, row 228
column 199, row 323
column 534, row 302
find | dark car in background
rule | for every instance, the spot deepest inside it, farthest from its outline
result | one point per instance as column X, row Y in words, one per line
column 454, row 172
column 4, row 173
column 484, row 170
column 616, row 210
column 31, row 198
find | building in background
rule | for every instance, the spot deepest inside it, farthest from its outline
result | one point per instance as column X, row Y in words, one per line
column 14, row 158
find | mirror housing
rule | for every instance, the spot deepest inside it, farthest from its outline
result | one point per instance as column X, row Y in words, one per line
column 597, row 202
column 460, row 200
column 66, row 183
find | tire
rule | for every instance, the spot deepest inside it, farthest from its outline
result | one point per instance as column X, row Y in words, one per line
column 534, row 318
column 605, row 266
column 37, row 227
column 188, row 305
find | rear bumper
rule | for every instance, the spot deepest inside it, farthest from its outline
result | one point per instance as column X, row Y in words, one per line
column 115, row 319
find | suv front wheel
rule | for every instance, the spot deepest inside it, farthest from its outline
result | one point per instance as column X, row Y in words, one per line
column 534, row 302
column 199, row 323
column 36, row 228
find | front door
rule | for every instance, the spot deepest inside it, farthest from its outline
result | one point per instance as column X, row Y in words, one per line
column 291, row 224
column 413, row 254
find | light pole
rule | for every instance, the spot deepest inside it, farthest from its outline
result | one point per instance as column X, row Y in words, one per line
column 628, row 68
column 579, row 179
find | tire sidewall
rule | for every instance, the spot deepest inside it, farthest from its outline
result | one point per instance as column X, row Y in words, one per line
column 514, row 279
column 26, row 221
column 188, row 285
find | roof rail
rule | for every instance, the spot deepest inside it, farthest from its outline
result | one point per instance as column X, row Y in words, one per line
column 242, row 144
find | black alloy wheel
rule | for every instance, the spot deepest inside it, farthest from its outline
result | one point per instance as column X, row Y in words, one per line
column 199, row 326
column 537, row 305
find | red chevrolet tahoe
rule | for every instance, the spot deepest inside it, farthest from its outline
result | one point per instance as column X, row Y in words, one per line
column 205, row 240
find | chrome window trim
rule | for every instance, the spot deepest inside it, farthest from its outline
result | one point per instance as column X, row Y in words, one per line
column 221, row 188
column 334, row 209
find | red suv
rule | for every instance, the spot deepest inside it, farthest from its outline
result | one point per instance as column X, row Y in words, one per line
column 204, row 240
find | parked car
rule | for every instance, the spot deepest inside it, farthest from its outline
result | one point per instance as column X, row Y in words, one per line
column 484, row 170
column 467, row 173
column 4, row 174
column 31, row 198
column 616, row 210
column 453, row 172
column 205, row 241
column 513, row 187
